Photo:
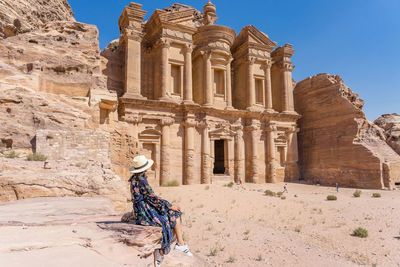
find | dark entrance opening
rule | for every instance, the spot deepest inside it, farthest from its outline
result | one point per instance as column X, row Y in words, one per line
column 397, row 184
column 219, row 152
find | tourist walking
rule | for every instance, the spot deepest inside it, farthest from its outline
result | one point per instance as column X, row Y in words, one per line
column 337, row 187
column 285, row 189
column 151, row 210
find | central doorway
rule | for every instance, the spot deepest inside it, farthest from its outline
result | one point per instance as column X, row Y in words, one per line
column 219, row 152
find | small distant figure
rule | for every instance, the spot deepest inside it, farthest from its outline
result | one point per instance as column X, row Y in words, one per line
column 285, row 189
column 240, row 181
column 337, row 187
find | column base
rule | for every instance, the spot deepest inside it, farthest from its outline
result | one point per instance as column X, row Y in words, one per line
column 270, row 110
column 134, row 96
column 290, row 112
column 166, row 99
column 188, row 102
column 208, row 105
column 229, row 108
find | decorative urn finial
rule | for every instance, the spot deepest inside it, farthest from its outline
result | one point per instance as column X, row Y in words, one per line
column 209, row 13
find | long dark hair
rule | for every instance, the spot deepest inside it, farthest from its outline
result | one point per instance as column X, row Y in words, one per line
column 136, row 176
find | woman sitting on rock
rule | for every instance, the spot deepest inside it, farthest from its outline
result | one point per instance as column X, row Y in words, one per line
column 151, row 210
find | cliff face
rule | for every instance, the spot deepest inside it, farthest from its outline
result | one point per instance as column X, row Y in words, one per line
column 336, row 142
column 51, row 79
column 21, row 16
column 390, row 123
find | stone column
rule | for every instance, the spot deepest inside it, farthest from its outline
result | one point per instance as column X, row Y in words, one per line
column 239, row 155
column 188, row 88
column 131, row 32
column 271, row 160
column 164, row 45
column 254, row 151
column 209, row 96
column 268, row 86
column 228, row 85
column 251, row 91
column 165, row 155
column 287, row 92
column 189, row 150
column 292, row 168
column 205, row 156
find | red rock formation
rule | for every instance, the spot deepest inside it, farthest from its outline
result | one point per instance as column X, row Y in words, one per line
column 336, row 142
column 20, row 16
column 390, row 123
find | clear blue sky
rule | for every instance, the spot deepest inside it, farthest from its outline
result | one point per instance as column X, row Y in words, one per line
column 357, row 39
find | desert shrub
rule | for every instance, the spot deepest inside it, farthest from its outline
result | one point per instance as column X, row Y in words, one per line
column 269, row 193
column 36, row 157
column 213, row 251
column 331, row 197
column 376, row 195
column 279, row 194
column 283, row 197
column 246, row 232
column 207, row 187
column 49, row 137
column 360, row 232
column 259, row 257
column 230, row 184
column 297, row 229
column 231, row 259
column 11, row 155
column 357, row 193
column 171, row 183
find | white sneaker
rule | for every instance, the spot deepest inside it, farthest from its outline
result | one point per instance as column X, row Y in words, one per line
column 184, row 249
column 158, row 258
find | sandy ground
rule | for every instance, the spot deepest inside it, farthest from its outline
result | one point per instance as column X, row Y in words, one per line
column 240, row 226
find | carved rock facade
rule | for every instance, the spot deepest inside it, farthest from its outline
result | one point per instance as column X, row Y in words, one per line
column 336, row 142
column 202, row 102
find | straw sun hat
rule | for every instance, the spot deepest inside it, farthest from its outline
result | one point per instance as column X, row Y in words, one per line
column 140, row 164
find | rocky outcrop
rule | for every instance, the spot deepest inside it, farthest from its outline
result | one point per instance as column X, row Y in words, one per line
column 88, row 230
column 390, row 123
column 21, row 179
column 336, row 142
column 20, row 16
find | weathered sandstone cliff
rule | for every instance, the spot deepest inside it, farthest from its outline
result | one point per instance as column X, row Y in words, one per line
column 54, row 100
column 20, row 16
column 336, row 142
column 390, row 123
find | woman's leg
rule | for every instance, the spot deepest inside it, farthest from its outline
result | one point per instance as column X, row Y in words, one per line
column 178, row 232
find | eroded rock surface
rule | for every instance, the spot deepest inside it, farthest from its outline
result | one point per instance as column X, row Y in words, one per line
column 21, row 179
column 390, row 123
column 20, row 16
column 336, row 142
column 73, row 231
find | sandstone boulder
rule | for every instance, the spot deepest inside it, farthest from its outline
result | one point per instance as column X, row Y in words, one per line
column 20, row 16
column 21, row 179
column 390, row 123
column 336, row 142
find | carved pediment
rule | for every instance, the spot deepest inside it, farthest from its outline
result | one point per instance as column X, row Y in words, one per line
column 222, row 133
column 253, row 38
column 150, row 133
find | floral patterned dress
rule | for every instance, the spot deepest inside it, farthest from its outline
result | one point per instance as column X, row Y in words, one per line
column 152, row 210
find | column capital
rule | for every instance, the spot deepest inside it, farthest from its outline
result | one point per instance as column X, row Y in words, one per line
column 130, row 118
column 166, row 121
column 250, row 60
column 206, row 54
column 267, row 64
column 188, row 48
column 292, row 130
column 252, row 127
column 163, row 43
column 271, row 128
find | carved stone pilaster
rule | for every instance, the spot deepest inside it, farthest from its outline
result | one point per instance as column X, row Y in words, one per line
column 270, row 157
column 189, row 125
column 165, row 155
